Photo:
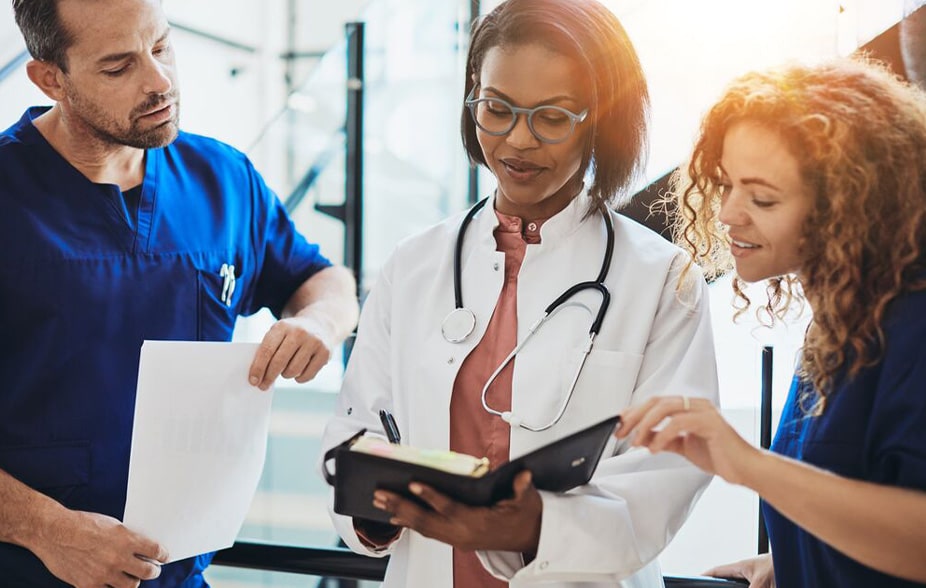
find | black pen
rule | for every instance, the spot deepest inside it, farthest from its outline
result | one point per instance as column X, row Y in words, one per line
column 392, row 431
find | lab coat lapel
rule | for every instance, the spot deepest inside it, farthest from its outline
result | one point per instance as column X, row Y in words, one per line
column 482, row 278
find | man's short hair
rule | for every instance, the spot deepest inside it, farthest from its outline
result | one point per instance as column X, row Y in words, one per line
column 44, row 33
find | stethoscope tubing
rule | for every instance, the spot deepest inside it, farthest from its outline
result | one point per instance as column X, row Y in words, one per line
column 598, row 285
column 458, row 253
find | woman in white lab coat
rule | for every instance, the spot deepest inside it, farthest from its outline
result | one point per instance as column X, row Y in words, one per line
column 556, row 109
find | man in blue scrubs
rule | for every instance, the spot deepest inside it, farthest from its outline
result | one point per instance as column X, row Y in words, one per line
column 116, row 227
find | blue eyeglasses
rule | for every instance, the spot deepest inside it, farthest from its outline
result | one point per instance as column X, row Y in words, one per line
column 550, row 124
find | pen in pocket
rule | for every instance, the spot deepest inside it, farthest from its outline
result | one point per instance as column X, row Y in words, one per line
column 392, row 431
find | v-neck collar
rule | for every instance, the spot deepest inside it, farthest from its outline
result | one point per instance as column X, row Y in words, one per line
column 132, row 237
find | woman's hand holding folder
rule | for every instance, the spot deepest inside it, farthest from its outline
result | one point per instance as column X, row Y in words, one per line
column 512, row 524
column 455, row 498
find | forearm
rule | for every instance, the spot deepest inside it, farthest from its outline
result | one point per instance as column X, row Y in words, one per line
column 23, row 512
column 328, row 298
column 880, row 526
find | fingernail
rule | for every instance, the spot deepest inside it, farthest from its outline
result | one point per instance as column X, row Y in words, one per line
column 414, row 488
column 379, row 504
column 254, row 381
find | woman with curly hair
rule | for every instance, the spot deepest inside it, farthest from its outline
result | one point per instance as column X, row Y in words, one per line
column 814, row 178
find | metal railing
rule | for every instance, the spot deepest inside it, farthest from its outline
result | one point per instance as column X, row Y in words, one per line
column 342, row 563
column 12, row 65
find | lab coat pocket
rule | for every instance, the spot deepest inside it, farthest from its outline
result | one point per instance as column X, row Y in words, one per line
column 605, row 385
column 55, row 470
column 217, row 298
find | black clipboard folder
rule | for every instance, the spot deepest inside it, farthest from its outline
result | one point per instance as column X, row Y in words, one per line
column 557, row 467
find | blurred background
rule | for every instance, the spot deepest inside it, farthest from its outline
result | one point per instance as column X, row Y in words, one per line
column 365, row 160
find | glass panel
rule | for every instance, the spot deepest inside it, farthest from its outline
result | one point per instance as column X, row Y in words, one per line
column 414, row 167
column 415, row 174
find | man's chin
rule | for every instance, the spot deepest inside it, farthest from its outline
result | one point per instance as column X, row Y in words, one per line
column 161, row 136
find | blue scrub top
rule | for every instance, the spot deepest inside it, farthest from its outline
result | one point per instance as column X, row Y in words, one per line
column 83, row 283
column 873, row 429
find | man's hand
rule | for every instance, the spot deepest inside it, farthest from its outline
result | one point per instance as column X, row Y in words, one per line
column 90, row 549
column 508, row 525
column 319, row 315
column 296, row 347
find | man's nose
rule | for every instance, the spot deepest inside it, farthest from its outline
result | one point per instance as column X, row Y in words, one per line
column 158, row 77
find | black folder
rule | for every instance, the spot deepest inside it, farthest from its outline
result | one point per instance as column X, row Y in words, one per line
column 558, row 466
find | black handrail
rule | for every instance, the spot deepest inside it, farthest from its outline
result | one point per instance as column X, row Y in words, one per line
column 335, row 562
column 765, row 429
column 331, row 562
column 326, row 156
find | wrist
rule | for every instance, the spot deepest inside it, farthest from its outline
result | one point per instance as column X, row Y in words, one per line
column 41, row 515
column 320, row 324
column 754, row 469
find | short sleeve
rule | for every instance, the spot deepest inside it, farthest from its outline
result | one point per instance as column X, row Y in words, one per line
column 897, row 437
column 287, row 259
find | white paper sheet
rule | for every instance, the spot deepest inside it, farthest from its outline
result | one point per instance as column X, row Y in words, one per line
column 198, row 444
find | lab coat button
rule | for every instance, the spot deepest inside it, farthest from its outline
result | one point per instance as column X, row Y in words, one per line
column 544, row 564
column 350, row 410
column 495, row 266
column 532, row 227
column 449, row 361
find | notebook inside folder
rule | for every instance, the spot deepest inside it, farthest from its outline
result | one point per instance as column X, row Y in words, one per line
column 446, row 461
column 557, row 467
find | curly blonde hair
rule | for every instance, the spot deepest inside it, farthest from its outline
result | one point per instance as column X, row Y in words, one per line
column 859, row 135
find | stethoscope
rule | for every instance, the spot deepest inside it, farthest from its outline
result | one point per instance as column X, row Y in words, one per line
column 460, row 323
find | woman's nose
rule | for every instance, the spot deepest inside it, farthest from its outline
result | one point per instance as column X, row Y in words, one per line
column 732, row 212
column 520, row 136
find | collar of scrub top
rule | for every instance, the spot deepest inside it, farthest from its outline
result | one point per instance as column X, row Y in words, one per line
column 460, row 323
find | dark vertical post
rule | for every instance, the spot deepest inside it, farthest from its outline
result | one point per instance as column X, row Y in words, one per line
column 353, row 193
column 475, row 7
column 353, row 173
column 765, row 428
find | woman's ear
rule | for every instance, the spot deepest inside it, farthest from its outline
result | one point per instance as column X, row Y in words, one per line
column 47, row 78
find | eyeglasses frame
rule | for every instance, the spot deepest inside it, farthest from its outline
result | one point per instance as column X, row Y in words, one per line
column 471, row 103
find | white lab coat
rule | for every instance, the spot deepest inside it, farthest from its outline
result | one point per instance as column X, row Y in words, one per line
column 653, row 341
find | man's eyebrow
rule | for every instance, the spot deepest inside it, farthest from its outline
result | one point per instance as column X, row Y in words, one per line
column 116, row 57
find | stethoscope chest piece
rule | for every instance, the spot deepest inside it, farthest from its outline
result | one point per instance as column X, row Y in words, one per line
column 458, row 325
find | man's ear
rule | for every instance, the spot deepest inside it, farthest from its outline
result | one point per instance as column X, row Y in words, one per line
column 47, row 77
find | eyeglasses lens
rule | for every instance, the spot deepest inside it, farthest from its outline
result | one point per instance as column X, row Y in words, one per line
column 548, row 123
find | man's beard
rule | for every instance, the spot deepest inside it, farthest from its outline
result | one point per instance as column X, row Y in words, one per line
column 107, row 130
